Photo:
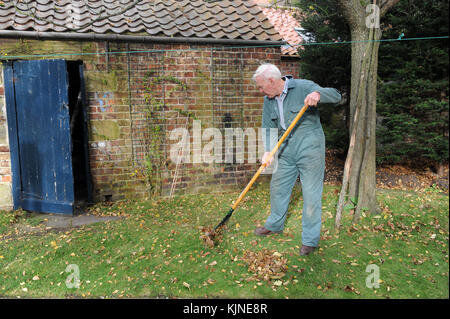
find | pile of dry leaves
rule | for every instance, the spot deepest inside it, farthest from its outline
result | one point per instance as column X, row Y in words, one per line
column 210, row 237
column 265, row 265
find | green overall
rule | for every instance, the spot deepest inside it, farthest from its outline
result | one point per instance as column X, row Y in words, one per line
column 303, row 152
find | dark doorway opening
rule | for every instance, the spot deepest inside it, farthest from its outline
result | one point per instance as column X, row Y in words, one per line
column 79, row 134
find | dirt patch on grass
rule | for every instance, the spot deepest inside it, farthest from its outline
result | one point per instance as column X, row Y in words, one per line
column 406, row 177
column 39, row 224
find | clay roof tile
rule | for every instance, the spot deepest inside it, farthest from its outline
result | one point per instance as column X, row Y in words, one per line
column 232, row 19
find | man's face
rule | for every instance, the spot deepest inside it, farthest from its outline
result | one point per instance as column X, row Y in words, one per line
column 266, row 87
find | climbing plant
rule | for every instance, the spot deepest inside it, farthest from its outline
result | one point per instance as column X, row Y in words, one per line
column 156, row 91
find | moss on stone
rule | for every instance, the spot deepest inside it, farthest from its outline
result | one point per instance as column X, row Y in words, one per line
column 101, row 130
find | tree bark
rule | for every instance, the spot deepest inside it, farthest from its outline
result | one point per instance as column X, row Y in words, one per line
column 359, row 180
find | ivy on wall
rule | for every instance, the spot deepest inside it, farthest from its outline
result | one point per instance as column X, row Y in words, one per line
column 155, row 159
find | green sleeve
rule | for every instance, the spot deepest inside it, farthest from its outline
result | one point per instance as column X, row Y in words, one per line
column 327, row 95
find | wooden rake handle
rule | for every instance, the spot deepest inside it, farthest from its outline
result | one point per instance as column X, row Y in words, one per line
column 272, row 153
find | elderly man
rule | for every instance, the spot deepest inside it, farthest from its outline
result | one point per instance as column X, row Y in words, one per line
column 303, row 152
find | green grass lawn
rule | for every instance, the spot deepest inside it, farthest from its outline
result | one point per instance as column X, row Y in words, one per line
column 155, row 250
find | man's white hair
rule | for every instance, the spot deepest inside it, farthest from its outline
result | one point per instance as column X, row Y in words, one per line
column 267, row 71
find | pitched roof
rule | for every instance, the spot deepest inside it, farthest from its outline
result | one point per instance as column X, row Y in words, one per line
column 226, row 19
column 284, row 22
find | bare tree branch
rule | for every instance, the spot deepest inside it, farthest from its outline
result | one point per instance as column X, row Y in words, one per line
column 385, row 5
column 353, row 12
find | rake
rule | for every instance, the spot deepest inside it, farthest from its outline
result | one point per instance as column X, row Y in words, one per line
column 260, row 170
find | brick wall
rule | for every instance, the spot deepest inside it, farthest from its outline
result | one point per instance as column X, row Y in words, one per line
column 181, row 84
column 5, row 164
column 290, row 65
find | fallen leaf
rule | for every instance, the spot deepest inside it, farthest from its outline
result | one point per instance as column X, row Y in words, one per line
column 211, row 281
column 278, row 283
column 391, row 225
column 348, row 288
column 186, row 285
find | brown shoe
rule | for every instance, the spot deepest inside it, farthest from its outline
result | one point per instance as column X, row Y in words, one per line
column 306, row 250
column 262, row 231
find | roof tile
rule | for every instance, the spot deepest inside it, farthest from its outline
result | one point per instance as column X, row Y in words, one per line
column 284, row 23
column 232, row 19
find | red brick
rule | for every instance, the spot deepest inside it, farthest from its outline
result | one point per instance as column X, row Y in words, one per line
column 6, row 178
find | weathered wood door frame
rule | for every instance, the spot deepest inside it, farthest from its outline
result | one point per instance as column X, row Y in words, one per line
column 51, row 194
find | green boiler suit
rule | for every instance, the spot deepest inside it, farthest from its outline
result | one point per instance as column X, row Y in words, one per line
column 302, row 153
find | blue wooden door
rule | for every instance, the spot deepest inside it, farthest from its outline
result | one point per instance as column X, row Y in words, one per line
column 40, row 140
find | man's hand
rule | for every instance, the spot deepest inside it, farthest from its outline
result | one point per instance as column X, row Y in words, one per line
column 265, row 158
column 312, row 99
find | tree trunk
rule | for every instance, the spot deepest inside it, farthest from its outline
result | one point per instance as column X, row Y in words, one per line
column 362, row 180
column 359, row 180
column 359, row 183
column 440, row 169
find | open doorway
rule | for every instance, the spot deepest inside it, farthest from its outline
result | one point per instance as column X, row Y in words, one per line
column 79, row 134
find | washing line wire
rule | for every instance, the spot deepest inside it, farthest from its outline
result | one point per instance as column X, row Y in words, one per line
column 400, row 38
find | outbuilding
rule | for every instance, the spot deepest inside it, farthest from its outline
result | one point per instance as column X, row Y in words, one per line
column 92, row 94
